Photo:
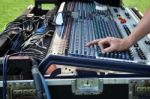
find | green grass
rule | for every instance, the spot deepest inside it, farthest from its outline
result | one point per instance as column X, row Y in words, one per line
column 142, row 5
column 10, row 9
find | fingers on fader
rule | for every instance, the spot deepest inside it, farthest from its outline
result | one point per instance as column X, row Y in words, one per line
column 92, row 42
column 105, row 45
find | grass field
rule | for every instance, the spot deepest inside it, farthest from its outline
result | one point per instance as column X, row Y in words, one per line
column 10, row 9
column 142, row 5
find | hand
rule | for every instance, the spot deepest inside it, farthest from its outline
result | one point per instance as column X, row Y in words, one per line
column 110, row 44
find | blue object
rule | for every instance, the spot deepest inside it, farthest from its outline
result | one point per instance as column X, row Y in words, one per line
column 4, row 76
column 45, row 87
column 41, row 30
column 17, row 42
column 37, row 81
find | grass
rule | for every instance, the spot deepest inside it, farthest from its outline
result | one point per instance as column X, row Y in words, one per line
column 142, row 5
column 10, row 9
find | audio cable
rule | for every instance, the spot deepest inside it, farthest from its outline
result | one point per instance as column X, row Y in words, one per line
column 5, row 62
column 39, row 81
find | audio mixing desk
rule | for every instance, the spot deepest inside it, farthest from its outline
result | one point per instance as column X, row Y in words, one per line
column 85, row 22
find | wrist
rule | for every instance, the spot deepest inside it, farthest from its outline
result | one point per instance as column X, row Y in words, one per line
column 128, row 42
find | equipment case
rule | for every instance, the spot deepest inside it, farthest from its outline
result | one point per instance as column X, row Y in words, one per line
column 88, row 85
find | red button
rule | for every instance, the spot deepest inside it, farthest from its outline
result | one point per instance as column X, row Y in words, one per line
column 123, row 21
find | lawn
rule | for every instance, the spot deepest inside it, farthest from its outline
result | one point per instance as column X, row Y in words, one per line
column 10, row 9
column 142, row 5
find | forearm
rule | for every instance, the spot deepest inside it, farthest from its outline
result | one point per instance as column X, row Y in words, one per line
column 141, row 30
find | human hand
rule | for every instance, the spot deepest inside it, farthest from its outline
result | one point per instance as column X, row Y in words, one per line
column 110, row 44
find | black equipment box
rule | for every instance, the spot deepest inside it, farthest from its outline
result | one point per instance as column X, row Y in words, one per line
column 43, row 53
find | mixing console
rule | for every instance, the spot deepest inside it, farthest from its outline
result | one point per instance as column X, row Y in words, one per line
column 88, row 21
column 89, row 25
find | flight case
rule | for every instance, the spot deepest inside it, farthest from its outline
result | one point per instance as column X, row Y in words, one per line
column 71, row 81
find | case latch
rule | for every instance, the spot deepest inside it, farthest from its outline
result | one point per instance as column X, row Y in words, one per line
column 87, row 86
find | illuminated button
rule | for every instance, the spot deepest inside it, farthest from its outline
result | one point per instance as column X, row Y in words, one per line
column 123, row 21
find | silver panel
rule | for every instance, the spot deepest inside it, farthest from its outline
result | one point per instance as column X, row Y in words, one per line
column 69, row 81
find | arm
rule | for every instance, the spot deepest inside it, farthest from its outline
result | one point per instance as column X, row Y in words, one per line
column 142, row 29
column 110, row 44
